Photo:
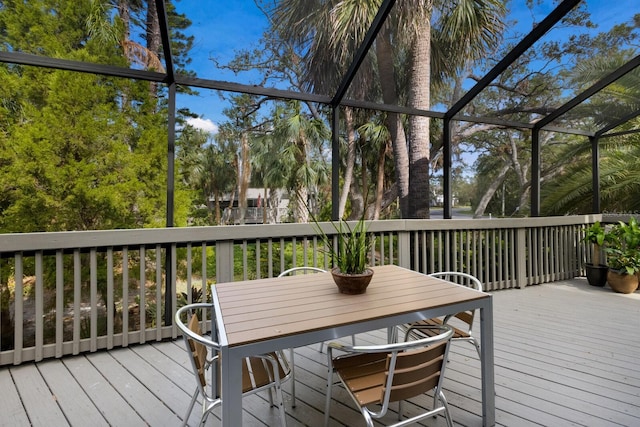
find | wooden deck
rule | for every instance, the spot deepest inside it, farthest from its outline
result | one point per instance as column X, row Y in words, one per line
column 566, row 354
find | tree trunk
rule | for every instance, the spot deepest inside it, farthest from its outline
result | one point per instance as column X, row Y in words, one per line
column 153, row 37
column 264, row 205
column 486, row 198
column 274, row 202
column 227, row 217
column 301, row 213
column 357, row 202
column 351, row 159
column 245, row 175
column 124, row 13
column 419, row 97
column 380, row 181
column 364, row 178
column 384, row 56
column 217, row 208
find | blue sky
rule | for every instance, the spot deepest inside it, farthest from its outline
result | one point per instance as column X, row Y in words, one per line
column 219, row 30
column 222, row 27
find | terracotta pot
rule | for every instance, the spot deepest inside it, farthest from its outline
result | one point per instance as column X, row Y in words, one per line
column 352, row 284
column 622, row 282
column 596, row 274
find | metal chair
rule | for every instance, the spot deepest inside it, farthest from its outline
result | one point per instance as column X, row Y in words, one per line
column 302, row 270
column 381, row 374
column 263, row 372
column 305, row 270
column 462, row 329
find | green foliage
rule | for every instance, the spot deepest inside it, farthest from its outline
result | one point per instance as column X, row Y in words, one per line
column 595, row 234
column 572, row 190
column 77, row 163
column 78, row 151
column 196, row 296
column 623, row 246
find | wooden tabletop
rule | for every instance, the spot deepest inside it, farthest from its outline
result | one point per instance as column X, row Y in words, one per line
column 258, row 310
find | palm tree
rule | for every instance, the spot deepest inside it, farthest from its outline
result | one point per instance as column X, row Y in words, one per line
column 243, row 126
column 571, row 191
column 266, row 165
column 329, row 31
column 378, row 141
column 297, row 137
column 213, row 175
column 189, row 146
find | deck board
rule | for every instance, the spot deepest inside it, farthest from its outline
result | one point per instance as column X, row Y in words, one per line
column 40, row 404
column 566, row 354
column 74, row 402
column 11, row 407
column 102, row 393
column 124, row 378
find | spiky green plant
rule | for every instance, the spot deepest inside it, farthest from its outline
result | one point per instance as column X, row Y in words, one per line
column 350, row 247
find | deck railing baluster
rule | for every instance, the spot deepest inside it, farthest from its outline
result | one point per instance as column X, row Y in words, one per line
column 90, row 308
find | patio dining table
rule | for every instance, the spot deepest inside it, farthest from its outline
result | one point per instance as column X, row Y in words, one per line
column 260, row 316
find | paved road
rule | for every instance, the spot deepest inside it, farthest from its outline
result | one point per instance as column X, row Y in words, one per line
column 456, row 213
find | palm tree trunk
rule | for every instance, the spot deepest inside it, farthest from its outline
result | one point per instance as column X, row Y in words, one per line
column 301, row 214
column 419, row 97
column 380, row 182
column 384, row 55
column 364, row 175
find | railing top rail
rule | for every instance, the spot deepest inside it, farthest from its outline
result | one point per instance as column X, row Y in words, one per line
column 182, row 235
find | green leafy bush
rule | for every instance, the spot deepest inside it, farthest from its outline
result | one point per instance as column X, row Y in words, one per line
column 623, row 246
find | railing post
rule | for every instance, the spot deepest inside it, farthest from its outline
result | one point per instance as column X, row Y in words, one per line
column 170, row 282
column 521, row 257
column 404, row 249
column 224, row 261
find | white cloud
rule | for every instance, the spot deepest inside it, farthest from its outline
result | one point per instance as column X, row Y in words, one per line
column 203, row 124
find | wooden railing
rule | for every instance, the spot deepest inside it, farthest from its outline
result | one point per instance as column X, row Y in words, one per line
column 71, row 292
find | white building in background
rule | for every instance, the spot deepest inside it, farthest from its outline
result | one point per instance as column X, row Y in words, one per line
column 274, row 209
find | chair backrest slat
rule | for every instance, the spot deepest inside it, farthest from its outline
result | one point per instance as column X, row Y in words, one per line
column 363, row 359
column 416, row 372
column 258, row 372
column 381, row 374
column 282, row 369
column 198, row 350
column 463, row 279
column 416, row 388
column 261, row 375
column 466, row 317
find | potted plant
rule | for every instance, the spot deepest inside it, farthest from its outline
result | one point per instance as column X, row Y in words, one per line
column 596, row 272
column 349, row 249
column 623, row 256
